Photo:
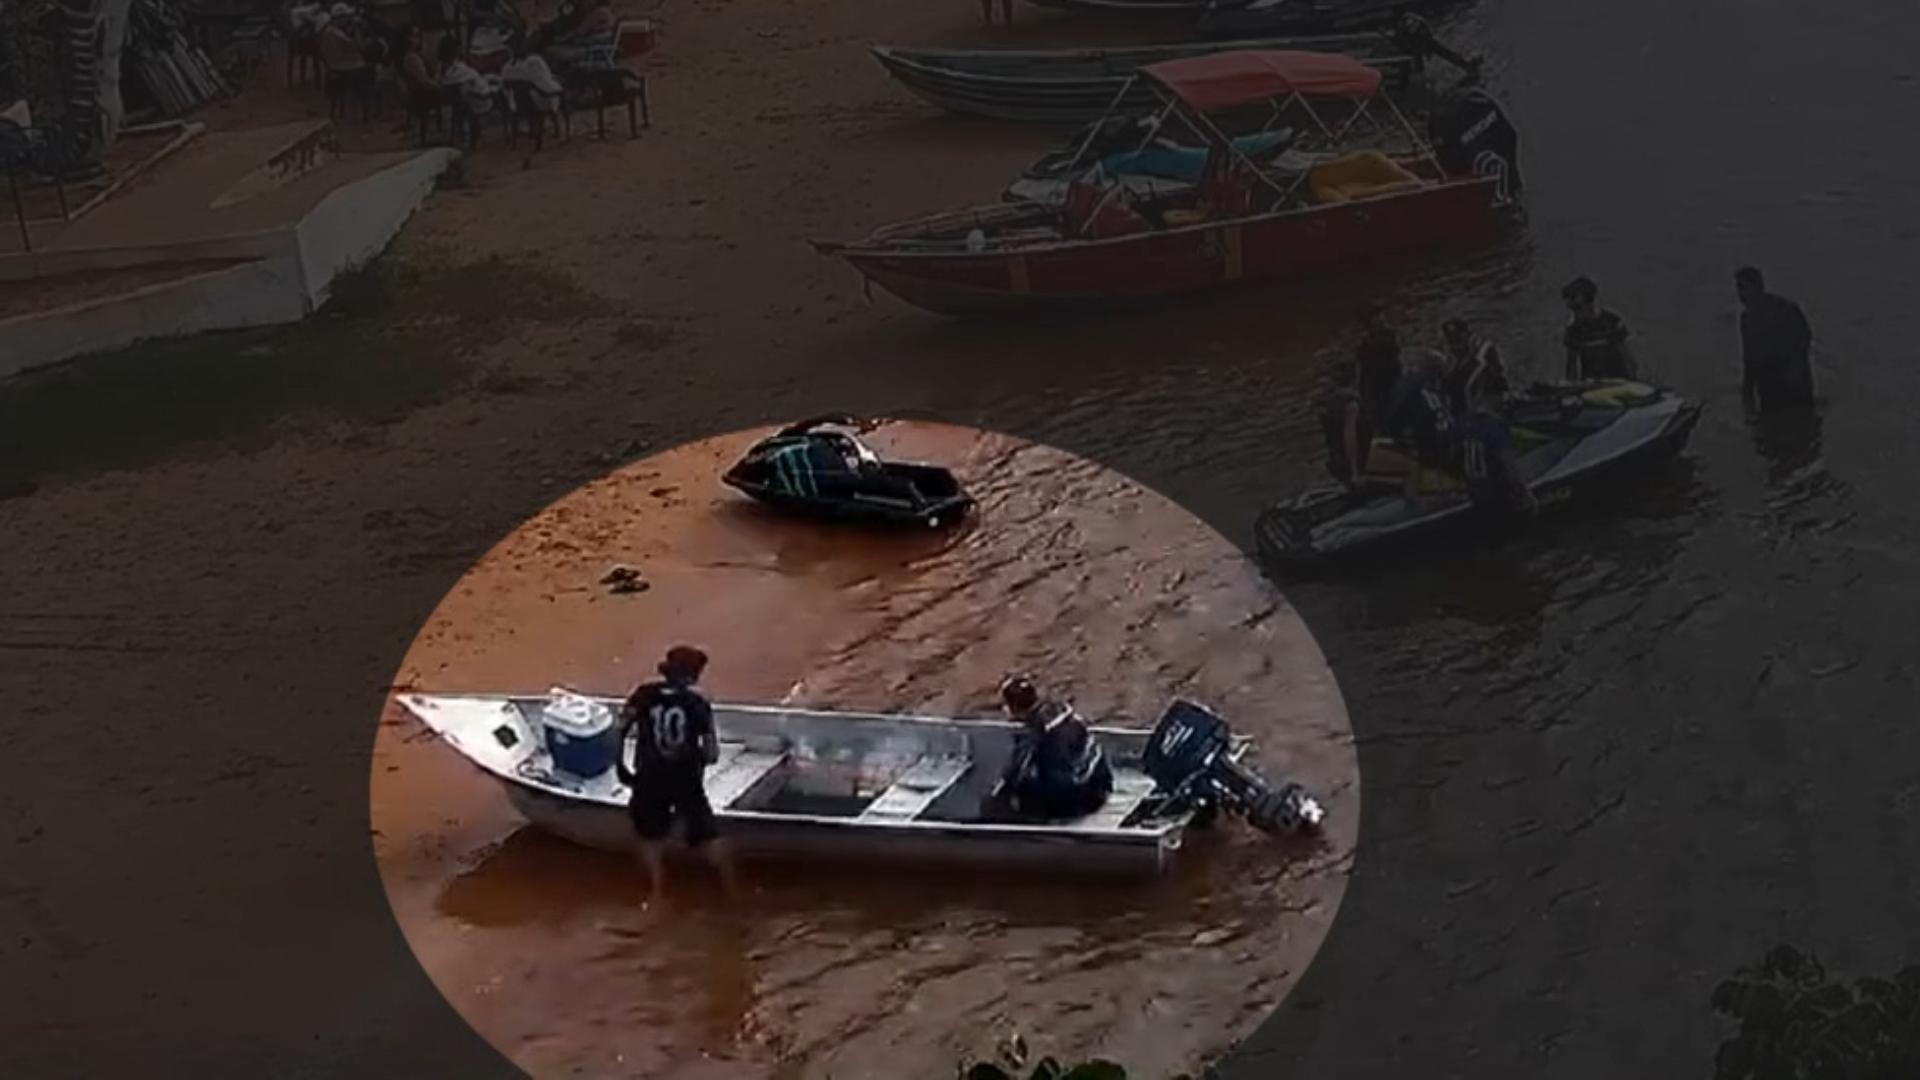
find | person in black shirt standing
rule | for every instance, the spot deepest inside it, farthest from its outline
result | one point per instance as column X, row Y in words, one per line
column 1775, row 346
column 1596, row 339
column 1378, row 360
column 669, row 725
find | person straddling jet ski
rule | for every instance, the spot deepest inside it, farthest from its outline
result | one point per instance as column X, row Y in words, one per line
column 1448, row 410
column 1476, row 391
column 1058, row 769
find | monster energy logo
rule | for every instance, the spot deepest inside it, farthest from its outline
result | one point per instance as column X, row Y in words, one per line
column 794, row 471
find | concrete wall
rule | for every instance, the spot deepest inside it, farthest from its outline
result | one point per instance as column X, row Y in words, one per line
column 266, row 244
column 357, row 221
column 287, row 280
column 261, row 293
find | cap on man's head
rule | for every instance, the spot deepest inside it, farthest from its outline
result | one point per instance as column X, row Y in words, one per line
column 1750, row 275
column 1580, row 288
column 1018, row 693
column 683, row 660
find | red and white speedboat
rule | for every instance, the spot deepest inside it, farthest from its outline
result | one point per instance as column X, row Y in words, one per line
column 1364, row 186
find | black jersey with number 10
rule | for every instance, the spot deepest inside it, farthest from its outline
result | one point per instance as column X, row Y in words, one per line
column 669, row 723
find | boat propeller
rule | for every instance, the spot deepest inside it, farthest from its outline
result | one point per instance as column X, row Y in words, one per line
column 1189, row 756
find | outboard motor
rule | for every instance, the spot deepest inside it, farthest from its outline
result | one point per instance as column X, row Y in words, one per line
column 1472, row 136
column 1189, row 756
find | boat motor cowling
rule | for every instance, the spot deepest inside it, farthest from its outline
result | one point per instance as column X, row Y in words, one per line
column 1190, row 757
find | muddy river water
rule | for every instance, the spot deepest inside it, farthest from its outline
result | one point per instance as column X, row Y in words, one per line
column 1107, row 592
column 1599, row 768
column 1603, row 766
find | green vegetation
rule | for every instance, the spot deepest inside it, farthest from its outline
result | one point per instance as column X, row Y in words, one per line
column 396, row 335
column 1796, row 1023
column 1012, row 1065
column 1047, row 1069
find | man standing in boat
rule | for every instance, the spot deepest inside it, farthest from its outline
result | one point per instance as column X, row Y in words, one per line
column 669, row 725
column 1058, row 769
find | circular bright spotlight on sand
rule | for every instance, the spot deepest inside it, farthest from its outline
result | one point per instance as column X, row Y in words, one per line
column 1106, row 592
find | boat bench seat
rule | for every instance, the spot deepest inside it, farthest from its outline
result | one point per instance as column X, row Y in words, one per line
column 916, row 789
column 738, row 772
column 1130, row 789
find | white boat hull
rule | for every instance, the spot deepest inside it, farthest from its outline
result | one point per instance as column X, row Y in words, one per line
column 821, row 785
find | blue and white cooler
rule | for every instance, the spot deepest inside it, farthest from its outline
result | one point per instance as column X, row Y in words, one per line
column 581, row 734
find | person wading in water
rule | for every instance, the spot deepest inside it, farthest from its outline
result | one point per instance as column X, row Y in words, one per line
column 1776, row 342
column 669, row 724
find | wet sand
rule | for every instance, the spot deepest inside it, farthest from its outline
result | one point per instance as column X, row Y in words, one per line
column 1112, row 595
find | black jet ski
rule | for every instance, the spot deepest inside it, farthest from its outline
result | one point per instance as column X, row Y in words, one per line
column 819, row 467
column 1567, row 438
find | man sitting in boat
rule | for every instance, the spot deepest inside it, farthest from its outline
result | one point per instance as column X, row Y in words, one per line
column 1058, row 769
column 669, row 725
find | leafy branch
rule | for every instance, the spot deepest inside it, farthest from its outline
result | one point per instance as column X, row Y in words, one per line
column 1796, row 1023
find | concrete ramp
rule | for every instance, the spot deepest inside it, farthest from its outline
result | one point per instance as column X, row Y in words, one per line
column 239, row 229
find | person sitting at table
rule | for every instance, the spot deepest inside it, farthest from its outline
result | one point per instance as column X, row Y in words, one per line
column 476, row 91
column 528, row 66
column 574, row 47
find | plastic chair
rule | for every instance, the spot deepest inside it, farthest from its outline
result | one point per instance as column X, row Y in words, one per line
column 526, row 102
column 613, row 87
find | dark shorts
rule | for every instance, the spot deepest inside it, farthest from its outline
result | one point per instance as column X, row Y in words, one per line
column 658, row 800
column 1053, row 802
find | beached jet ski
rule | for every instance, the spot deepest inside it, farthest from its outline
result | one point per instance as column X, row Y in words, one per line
column 821, row 468
column 1566, row 439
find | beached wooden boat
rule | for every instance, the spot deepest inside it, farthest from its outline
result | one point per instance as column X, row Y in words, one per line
column 1267, row 16
column 1450, row 188
column 1123, row 7
column 796, row 782
column 1225, row 19
column 1069, row 86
